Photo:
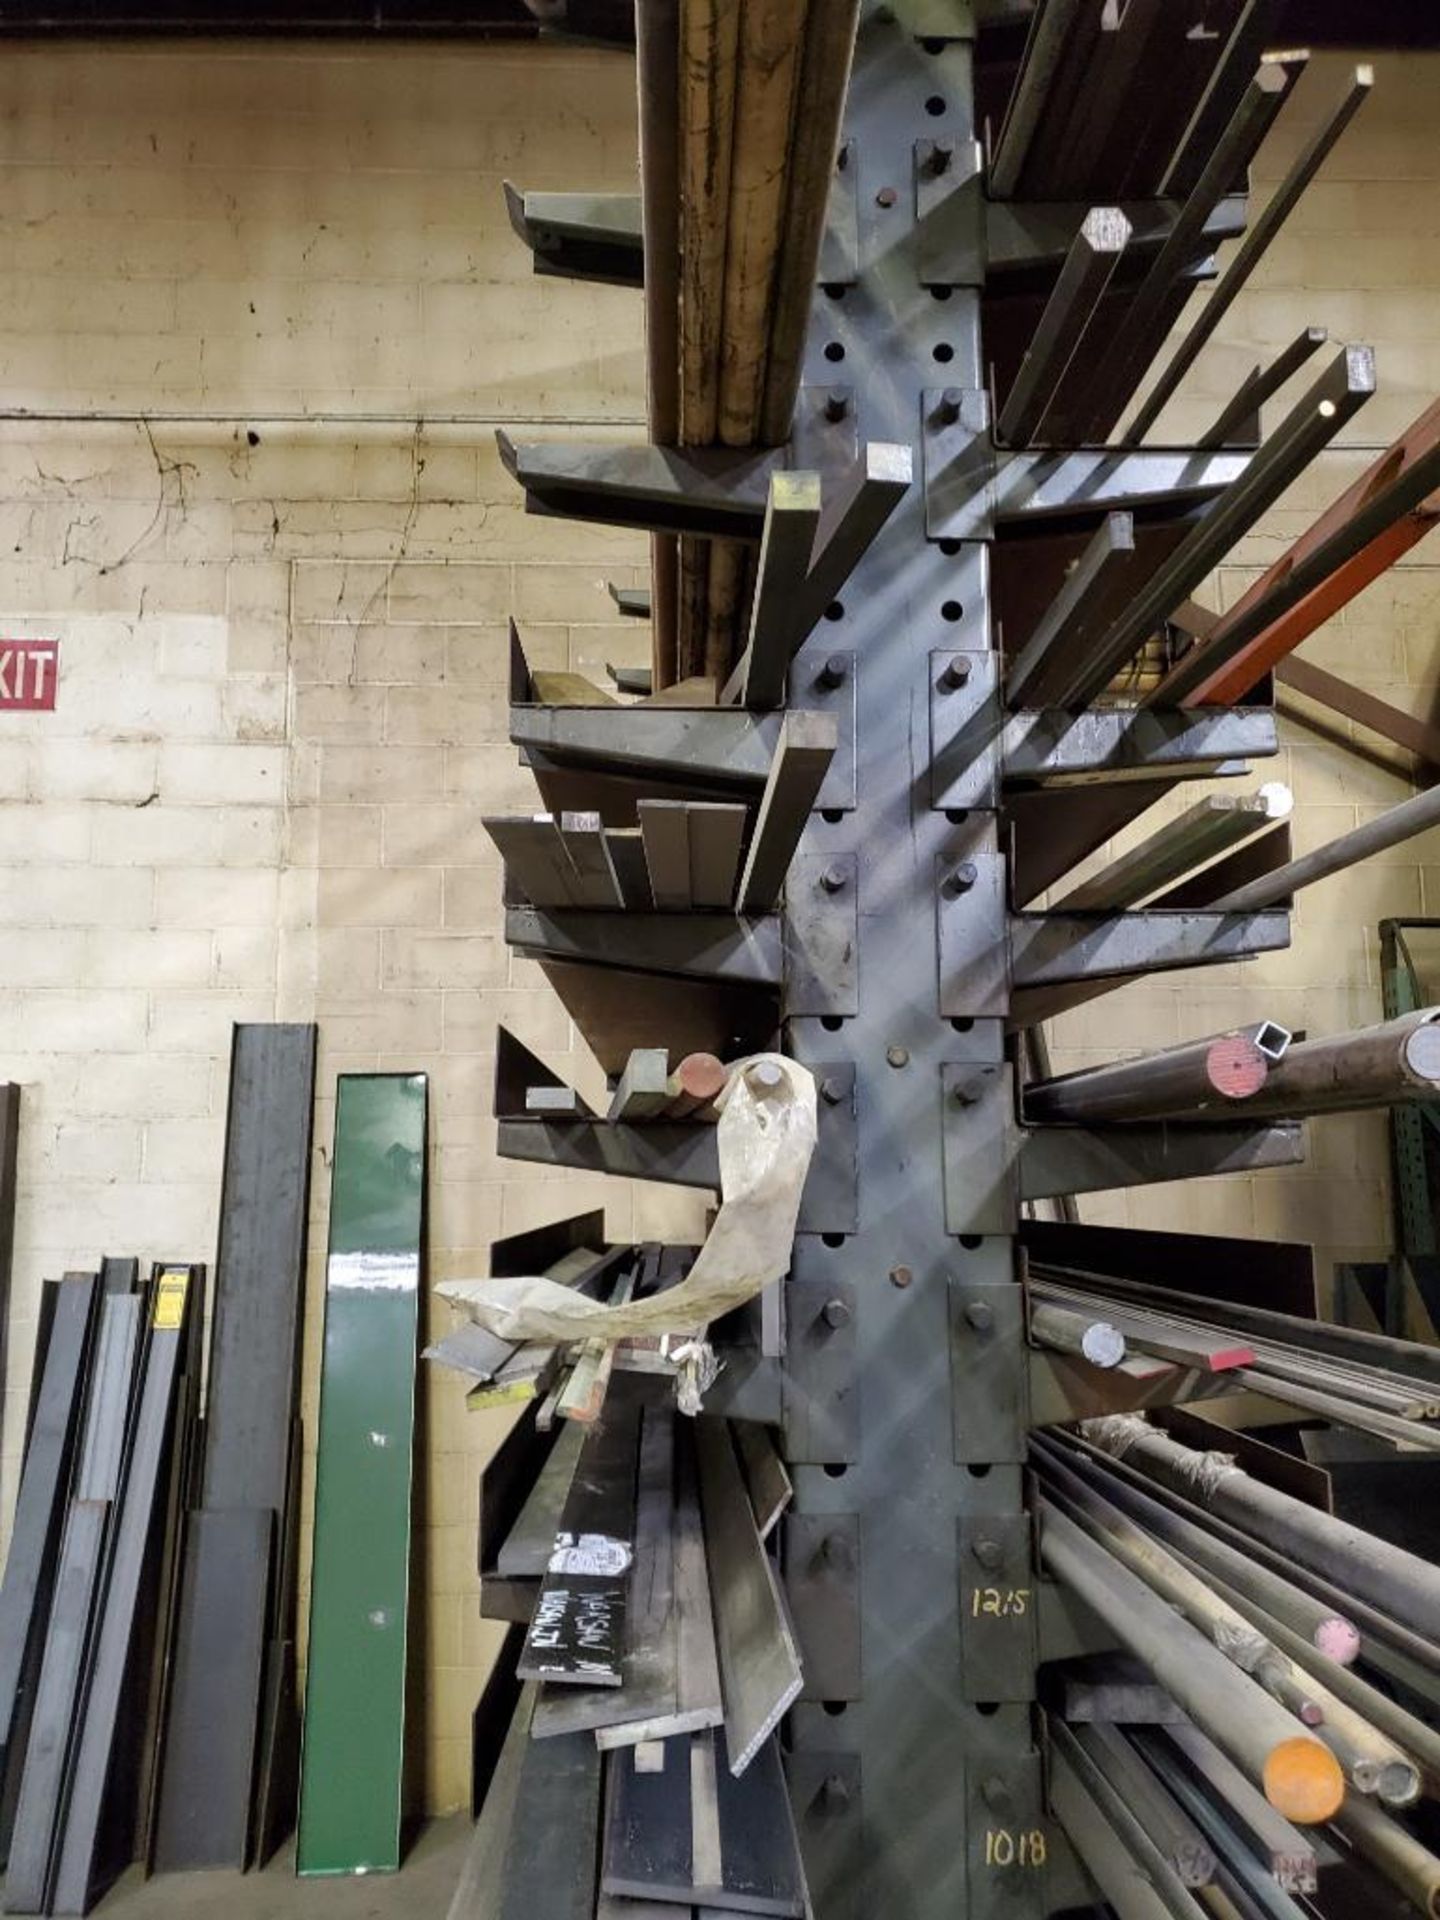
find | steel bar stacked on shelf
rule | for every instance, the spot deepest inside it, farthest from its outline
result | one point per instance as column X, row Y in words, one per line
column 755, row 167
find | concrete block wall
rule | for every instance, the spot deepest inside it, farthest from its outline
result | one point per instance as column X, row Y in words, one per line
column 283, row 651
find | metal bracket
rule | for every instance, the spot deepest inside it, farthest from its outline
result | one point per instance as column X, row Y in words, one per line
column 957, row 463
column 950, row 213
column 822, row 1585
column 981, row 1145
column 828, row 1204
column 988, row 1373
column 821, row 1392
column 701, row 946
column 969, row 906
column 997, row 1607
column 840, row 247
column 1056, row 1160
column 826, row 1798
column 1008, row 1837
column 828, row 686
column 966, row 718
column 821, row 934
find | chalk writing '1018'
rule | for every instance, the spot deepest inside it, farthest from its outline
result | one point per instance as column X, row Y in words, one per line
column 1006, row 1849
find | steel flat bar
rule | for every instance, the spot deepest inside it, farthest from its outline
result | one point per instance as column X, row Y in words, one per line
column 1335, row 398
column 665, row 836
column 1212, row 826
column 1132, row 346
column 744, row 950
column 1262, row 230
column 787, row 544
column 96, row 1840
column 700, row 744
column 355, row 1698
column 1093, row 257
column 583, row 840
column 1285, row 1850
column 759, row 1665
column 1057, row 948
column 1077, row 616
column 1033, row 95
column 1164, row 1818
column 552, row 1833
column 1389, row 829
column 1229, row 73
column 1074, row 1160
column 1365, row 530
column 578, row 1634
column 711, row 491
column 1107, row 744
column 716, row 838
column 803, row 754
column 534, row 859
column 1039, row 485
column 1243, row 410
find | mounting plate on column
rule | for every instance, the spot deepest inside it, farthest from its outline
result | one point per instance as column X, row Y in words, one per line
column 969, row 906
column 822, row 1585
column 988, row 1370
column 950, row 213
column 825, row 1796
column 827, row 685
column 966, row 720
column 828, row 1204
column 958, row 460
column 1008, row 1838
column 821, row 1391
column 997, row 1607
column 821, row 934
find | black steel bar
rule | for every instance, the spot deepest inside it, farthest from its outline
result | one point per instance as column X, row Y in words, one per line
column 1335, row 398
column 1212, row 826
column 1248, row 254
column 1260, row 386
column 792, row 516
column 1093, row 257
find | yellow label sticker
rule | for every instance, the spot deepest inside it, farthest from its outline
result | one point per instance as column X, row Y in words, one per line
column 170, row 1291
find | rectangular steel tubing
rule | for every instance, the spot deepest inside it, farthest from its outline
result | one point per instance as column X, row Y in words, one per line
column 1335, row 398
column 1247, row 256
column 1094, row 254
column 1359, row 535
column 355, row 1698
column 787, row 543
column 1237, row 418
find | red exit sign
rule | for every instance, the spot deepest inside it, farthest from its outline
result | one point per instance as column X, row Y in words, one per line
column 29, row 670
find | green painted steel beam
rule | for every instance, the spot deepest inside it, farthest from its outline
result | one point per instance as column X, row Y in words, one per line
column 353, row 1764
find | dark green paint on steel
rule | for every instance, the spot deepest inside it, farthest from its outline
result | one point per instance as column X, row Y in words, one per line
column 353, row 1763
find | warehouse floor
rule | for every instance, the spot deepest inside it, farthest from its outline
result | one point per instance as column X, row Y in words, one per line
column 424, row 1887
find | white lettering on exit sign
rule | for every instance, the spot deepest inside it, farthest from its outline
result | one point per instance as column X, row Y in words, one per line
column 29, row 670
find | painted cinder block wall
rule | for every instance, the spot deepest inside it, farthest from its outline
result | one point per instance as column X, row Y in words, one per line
column 281, row 601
